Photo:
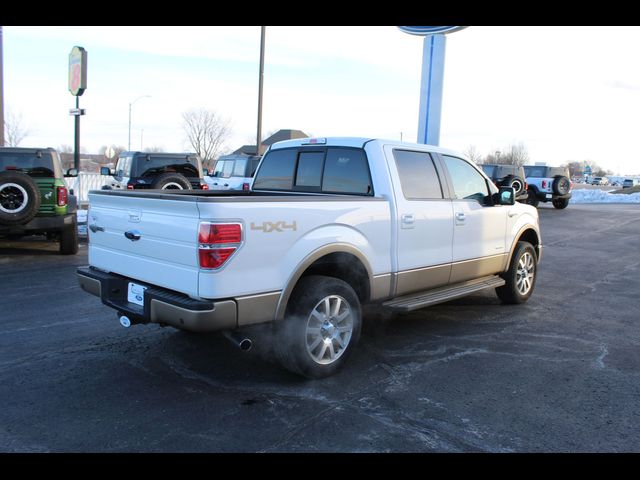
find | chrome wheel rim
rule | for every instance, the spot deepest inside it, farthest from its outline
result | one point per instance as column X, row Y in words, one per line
column 524, row 273
column 172, row 186
column 13, row 198
column 517, row 186
column 329, row 329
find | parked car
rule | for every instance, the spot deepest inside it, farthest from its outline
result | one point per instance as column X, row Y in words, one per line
column 629, row 182
column 233, row 172
column 166, row 171
column 328, row 225
column 508, row 176
column 34, row 199
column 600, row 181
column 548, row 184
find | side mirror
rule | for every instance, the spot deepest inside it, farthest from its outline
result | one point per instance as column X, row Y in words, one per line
column 72, row 172
column 506, row 196
column 105, row 171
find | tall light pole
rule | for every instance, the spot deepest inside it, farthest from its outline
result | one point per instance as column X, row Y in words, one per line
column 131, row 103
column 1, row 95
column 261, row 77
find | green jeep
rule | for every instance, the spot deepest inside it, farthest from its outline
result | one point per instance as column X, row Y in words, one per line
column 34, row 199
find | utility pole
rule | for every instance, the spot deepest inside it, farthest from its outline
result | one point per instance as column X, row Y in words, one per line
column 261, row 77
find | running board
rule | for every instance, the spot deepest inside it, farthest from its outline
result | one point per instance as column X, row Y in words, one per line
column 418, row 300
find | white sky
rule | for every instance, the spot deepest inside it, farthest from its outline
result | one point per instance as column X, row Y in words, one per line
column 567, row 93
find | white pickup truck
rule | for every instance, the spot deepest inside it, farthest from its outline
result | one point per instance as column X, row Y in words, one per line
column 329, row 224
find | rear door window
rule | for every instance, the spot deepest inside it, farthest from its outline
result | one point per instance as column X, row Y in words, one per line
column 418, row 176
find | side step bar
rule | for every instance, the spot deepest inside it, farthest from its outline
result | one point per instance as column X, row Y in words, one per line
column 418, row 300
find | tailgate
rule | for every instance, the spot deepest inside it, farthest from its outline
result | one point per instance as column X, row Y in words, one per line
column 166, row 252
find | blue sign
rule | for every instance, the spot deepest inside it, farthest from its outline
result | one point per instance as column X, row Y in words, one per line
column 429, row 30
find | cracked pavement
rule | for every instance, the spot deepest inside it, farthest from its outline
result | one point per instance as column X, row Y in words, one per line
column 560, row 373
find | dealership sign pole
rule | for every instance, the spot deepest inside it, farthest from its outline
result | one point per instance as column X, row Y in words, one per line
column 432, row 80
column 77, row 86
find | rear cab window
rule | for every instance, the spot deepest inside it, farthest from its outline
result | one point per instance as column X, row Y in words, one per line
column 331, row 170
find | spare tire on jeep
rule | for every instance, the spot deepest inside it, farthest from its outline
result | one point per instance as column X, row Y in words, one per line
column 561, row 185
column 172, row 181
column 514, row 181
column 19, row 198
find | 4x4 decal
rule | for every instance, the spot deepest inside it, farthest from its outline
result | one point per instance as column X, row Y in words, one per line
column 268, row 227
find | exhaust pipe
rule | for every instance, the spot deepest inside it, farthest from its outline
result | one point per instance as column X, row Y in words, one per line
column 239, row 340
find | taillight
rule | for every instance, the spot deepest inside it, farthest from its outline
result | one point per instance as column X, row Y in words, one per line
column 245, row 187
column 544, row 184
column 204, row 186
column 62, row 196
column 217, row 242
column 129, row 187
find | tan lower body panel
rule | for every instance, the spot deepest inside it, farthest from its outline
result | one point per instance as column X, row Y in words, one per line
column 257, row 308
column 478, row 267
column 420, row 279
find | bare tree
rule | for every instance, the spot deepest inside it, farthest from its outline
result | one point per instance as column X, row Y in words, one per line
column 154, row 149
column 14, row 128
column 511, row 155
column 206, row 133
column 472, row 154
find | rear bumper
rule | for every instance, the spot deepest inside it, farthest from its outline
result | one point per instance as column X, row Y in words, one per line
column 161, row 306
column 542, row 196
column 42, row 225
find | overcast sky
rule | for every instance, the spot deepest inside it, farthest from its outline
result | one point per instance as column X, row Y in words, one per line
column 567, row 93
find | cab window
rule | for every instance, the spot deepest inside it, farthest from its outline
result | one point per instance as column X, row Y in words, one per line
column 468, row 183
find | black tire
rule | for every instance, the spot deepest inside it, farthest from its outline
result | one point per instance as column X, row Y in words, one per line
column 517, row 183
column 519, row 286
column 532, row 199
column 69, row 239
column 19, row 198
column 172, row 181
column 560, row 203
column 295, row 346
column 561, row 185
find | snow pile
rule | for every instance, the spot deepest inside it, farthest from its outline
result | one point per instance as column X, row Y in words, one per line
column 584, row 195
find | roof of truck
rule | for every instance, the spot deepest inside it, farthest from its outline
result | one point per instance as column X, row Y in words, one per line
column 359, row 142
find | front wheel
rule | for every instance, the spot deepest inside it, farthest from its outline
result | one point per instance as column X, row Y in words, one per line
column 521, row 277
column 321, row 328
column 560, row 203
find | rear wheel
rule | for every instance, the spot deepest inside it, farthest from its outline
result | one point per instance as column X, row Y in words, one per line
column 560, row 203
column 532, row 199
column 69, row 239
column 521, row 277
column 321, row 328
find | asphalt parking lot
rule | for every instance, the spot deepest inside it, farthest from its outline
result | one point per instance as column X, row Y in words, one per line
column 560, row 373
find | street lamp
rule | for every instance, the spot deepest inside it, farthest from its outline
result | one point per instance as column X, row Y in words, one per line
column 131, row 103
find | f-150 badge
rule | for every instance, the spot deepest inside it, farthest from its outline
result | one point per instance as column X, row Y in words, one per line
column 268, row 227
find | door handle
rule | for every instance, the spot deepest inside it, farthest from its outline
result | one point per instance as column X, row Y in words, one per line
column 133, row 235
column 512, row 213
column 408, row 218
column 460, row 216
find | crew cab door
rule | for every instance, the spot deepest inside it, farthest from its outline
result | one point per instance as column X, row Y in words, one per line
column 479, row 232
column 424, row 221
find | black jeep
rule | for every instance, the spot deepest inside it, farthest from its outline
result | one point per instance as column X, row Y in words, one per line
column 508, row 176
column 141, row 170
